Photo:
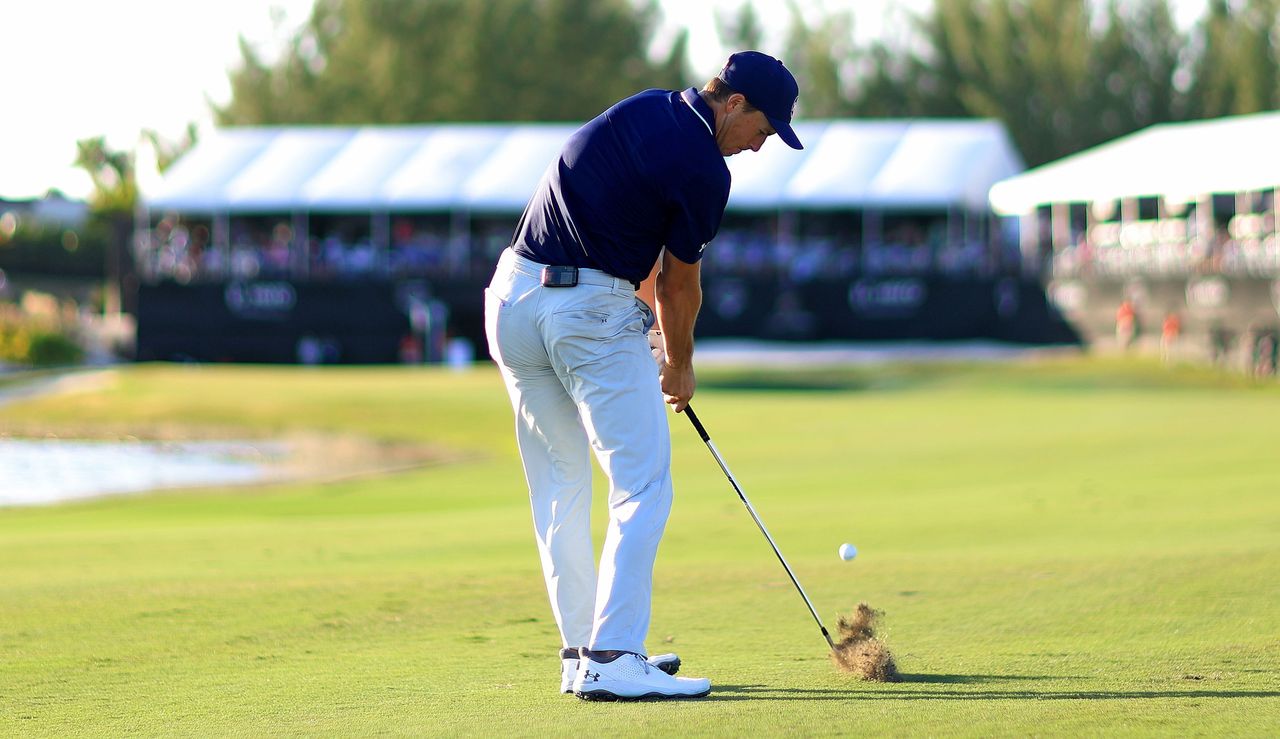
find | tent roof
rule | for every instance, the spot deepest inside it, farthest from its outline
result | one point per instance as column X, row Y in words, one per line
column 493, row 167
column 760, row 178
column 1179, row 161
column 432, row 177
column 360, row 168
column 276, row 176
column 505, row 179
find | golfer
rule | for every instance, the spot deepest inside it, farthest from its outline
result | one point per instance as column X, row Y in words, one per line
column 634, row 197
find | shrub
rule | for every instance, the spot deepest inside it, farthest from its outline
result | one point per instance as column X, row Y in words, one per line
column 15, row 343
column 48, row 348
column 38, row 338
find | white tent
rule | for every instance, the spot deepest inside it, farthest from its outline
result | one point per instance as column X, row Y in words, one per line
column 276, row 178
column 1178, row 161
column 760, row 178
column 507, row 177
column 197, row 182
column 361, row 167
column 433, row 176
column 935, row 164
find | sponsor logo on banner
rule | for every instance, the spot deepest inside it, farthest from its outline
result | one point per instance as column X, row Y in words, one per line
column 903, row 296
column 1207, row 293
column 261, row 300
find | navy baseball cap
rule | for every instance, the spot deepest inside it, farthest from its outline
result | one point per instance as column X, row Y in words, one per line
column 768, row 86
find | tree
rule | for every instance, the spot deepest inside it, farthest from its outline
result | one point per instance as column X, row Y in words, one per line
column 387, row 61
column 1136, row 69
column 167, row 152
column 1061, row 74
column 741, row 30
column 821, row 56
column 115, row 186
column 115, row 193
column 1236, row 68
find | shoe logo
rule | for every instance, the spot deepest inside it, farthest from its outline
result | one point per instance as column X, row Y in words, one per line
column 591, row 677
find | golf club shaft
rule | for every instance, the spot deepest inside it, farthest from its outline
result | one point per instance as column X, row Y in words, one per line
column 706, row 438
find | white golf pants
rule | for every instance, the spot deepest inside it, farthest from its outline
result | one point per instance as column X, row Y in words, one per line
column 577, row 366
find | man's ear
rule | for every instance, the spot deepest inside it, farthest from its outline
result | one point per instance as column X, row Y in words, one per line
column 735, row 101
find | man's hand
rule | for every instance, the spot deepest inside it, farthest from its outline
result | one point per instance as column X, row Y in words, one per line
column 678, row 384
column 678, row 292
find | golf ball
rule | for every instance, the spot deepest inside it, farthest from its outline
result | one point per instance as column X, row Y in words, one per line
column 848, row 552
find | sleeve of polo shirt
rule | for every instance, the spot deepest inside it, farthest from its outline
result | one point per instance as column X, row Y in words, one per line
column 694, row 211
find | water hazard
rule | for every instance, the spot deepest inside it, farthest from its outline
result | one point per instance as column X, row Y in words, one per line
column 43, row 471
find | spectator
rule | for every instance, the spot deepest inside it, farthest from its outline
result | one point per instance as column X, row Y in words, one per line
column 1126, row 324
column 1169, row 332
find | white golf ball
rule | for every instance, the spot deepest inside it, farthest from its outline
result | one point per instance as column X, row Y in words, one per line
column 848, row 552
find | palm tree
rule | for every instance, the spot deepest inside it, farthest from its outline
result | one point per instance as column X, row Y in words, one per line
column 115, row 193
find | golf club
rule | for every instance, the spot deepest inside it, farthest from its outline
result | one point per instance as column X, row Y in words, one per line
column 702, row 431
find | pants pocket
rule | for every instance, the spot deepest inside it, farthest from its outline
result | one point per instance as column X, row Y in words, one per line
column 601, row 318
column 648, row 316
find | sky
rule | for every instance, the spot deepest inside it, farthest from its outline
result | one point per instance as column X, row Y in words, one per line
column 75, row 69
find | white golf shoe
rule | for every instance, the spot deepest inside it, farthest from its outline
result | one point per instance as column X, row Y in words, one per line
column 668, row 663
column 630, row 677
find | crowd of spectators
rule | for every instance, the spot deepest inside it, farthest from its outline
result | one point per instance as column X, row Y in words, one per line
column 182, row 251
column 340, row 248
column 1240, row 245
column 176, row 250
column 420, row 248
column 907, row 250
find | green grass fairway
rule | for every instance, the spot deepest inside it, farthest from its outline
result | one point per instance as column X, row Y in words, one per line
column 1070, row 546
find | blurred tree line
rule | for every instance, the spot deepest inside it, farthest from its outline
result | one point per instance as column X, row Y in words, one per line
column 1063, row 75
column 392, row 61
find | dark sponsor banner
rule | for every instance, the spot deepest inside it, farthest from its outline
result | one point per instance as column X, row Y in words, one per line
column 902, row 297
column 883, row 309
column 270, row 321
column 264, row 301
column 370, row 322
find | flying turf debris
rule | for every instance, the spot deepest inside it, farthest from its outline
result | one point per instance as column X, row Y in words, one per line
column 860, row 652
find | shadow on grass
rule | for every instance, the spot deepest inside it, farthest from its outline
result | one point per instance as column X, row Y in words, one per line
column 763, row 692
column 1067, row 374
column 769, row 380
column 969, row 679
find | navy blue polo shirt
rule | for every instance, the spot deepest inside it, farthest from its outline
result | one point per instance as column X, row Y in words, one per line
column 643, row 175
